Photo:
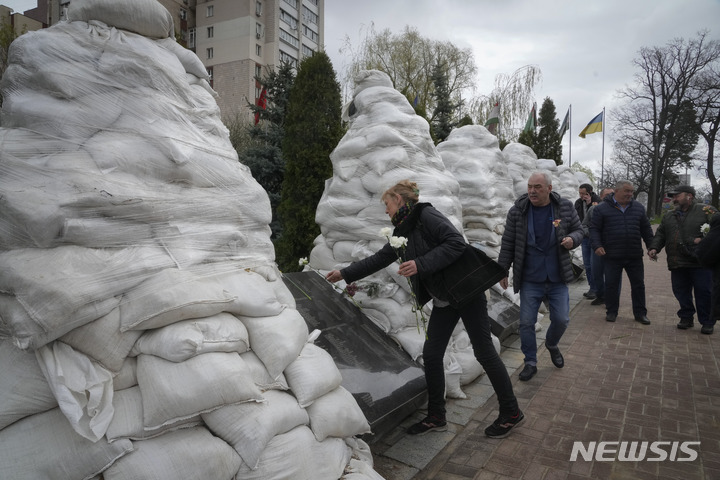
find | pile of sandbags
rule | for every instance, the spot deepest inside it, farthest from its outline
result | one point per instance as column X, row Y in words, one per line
column 386, row 142
column 145, row 331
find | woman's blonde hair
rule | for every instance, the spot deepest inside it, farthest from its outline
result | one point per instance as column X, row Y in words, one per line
column 406, row 189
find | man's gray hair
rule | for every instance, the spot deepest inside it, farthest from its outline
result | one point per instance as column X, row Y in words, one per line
column 547, row 176
column 622, row 183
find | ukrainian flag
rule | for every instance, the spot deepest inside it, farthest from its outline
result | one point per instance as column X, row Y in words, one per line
column 595, row 125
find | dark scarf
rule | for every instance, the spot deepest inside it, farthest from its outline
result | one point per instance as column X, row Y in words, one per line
column 406, row 218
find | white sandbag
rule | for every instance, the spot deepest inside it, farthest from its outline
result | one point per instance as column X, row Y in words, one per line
column 359, row 470
column 337, row 414
column 187, row 454
column 296, row 455
column 66, row 287
column 470, row 367
column 179, row 341
column 277, row 340
column 248, row 427
column 312, row 374
column 103, row 341
column 127, row 376
column 23, row 388
column 411, row 340
column 83, row 388
column 453, row 371
column 127, row 422
column 260, row 375
column 45, row 447
column 144, row 17
column 172, row 392
column 170, row 296
column 187, row 57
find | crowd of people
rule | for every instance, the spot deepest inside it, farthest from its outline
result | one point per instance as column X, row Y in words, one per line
column 540, row 230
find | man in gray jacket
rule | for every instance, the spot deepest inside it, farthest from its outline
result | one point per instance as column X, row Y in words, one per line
column 539, row 230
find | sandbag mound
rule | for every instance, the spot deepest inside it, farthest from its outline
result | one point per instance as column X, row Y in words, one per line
column 139, row 295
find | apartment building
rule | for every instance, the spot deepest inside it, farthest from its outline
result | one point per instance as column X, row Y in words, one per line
column 235, row 39
column 238, row 39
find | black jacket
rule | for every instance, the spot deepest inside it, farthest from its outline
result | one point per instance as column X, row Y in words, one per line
column 594, row 199
column 708, row 253
column 620, row 233
column 514, row 239
column 433, row 242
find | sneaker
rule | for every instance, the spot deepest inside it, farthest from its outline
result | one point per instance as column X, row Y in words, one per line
column 528, row 372
column 707, row 329
column 502, row 426
column 598, row 301
column 431, row 422
column 685, row 323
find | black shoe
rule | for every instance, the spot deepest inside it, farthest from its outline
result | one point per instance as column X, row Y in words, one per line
column 431, row 422
column 598, row 301
column 528, row 372
column 611, row 317
column 556, row 356
column 707, row 329
column 685, row 323
column 501, row 427
column 589, row 295
column 643, row 319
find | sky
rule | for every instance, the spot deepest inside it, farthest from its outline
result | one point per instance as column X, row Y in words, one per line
column 583, row 49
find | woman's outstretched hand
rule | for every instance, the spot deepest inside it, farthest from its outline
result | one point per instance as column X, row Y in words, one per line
column 334, row 276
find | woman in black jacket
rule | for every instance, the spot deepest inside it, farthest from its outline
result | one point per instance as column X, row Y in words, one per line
column 433, row 243
column 708, row 254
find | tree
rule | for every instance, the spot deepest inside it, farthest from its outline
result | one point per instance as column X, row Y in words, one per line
column 547, row 141
column 409, row 59
column 7, row 36
column 263, row 153
column 442, row 122
column 313, row 129
column 514, row 94
column 653, row 124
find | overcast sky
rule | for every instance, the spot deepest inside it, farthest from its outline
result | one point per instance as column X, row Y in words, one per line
column 584, row 49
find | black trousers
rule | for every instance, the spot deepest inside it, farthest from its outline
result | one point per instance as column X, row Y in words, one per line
column 477, row 324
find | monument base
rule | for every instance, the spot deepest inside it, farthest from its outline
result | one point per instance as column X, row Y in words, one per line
column 387, row 384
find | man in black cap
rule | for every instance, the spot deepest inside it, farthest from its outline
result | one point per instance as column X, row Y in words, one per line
column 679, row 232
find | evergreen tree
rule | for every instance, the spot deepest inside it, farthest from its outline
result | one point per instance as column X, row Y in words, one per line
column 264, row 154
column 548, row 141
column 441, row 125
column 313, row 128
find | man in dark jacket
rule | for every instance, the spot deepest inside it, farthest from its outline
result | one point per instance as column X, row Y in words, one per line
column 708, row 253
column 582, row 205
column 618, row 228
column 679, row 233
column 539, row 230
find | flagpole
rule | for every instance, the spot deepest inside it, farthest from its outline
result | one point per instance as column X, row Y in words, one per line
column 602, row 161
column 570, row 128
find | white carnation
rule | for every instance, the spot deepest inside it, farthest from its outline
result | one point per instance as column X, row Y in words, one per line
column 398, row 242
column 386, row 232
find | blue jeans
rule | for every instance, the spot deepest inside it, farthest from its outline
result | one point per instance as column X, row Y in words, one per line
column 587, row 255
column 477, row 324
column 684, row 281
column 635, row 269
column 531, row 295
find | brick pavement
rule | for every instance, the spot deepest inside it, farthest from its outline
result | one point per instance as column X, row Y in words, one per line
column 622, row 381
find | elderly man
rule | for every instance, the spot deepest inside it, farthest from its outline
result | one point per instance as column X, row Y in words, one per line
column 619, row 226
column 539, row 230
column 679, row 232
column 582, row 205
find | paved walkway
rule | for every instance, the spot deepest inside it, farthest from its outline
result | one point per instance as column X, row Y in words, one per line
column 622, row 382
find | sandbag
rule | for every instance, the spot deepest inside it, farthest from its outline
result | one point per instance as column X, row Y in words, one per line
column 145, row 17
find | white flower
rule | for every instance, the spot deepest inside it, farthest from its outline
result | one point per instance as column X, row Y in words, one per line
column 303, row 261
column 705, row 228
column 398, row 242
column 386, row 232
